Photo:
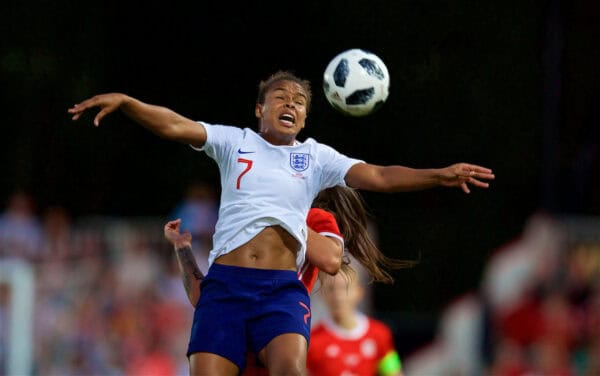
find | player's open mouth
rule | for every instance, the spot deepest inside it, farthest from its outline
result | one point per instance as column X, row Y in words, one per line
column 287, row 119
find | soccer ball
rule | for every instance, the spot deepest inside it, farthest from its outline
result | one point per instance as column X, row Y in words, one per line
column 356, row 82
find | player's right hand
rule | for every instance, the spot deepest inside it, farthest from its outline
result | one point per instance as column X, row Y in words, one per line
column 107, row 102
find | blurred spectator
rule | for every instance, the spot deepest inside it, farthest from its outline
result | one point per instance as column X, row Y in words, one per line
column 58, row 239
column 509, row 359
column 4, row 326
column 138, row 266
column 102, row 310
column 198, row 211
column 540, row 299
column 20, row 230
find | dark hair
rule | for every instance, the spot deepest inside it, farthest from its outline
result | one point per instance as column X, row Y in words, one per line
column 349, row 210
column 265, row 85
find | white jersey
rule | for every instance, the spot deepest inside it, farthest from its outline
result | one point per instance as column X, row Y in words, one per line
column 265, row 185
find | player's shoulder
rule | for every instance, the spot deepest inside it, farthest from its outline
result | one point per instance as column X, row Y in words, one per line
column 318, row 146
column 317, row 330
column 318, row 212
column 376, row 325
column 226, row 128
column 309, row 141
column 321, row 220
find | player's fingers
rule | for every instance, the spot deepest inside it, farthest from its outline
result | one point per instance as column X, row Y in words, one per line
column 465, row 188
column 82, row 106
column 478, row 183
column 76, row 111
column 100, row 115
column 480, row 169
column 173, row 224
column 473, row 171
column 464, row 171
column 483, row 175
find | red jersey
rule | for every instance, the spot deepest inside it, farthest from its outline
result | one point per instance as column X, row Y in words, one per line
column 337, row 351
column 323, row 223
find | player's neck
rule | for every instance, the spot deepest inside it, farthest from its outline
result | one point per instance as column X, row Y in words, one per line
column 278, row 140
column 347, row 321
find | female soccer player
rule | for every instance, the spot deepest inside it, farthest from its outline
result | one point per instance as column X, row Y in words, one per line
column 323, row 253
column 268, row 182
column 346, row 341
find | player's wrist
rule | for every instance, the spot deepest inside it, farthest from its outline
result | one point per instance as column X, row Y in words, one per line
column 437, row 175
column 181, row 245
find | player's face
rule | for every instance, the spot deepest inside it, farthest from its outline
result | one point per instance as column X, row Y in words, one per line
column 341, row 295
column 283, row 114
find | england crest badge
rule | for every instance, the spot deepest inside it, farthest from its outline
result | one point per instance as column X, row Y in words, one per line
column 299, row 161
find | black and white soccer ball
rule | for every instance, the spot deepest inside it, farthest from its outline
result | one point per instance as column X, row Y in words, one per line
column 356, row 82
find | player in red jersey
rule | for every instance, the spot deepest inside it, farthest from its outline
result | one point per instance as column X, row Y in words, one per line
column 347, row 342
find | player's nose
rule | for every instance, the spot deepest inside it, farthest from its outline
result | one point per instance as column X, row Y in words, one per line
column 289, row 102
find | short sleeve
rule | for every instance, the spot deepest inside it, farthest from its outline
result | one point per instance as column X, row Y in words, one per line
column 335, row 166
column 218, row 140
column 322, row 222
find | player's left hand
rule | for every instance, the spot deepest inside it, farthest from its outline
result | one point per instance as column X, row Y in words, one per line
column 173, row 234
column 463, row 174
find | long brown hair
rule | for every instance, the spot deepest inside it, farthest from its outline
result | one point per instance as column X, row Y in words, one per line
column 349, row 210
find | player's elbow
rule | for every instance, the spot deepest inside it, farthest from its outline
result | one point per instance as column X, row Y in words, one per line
column 332, row 268
column 369, row 177
column 334, row 263
column 173, row 131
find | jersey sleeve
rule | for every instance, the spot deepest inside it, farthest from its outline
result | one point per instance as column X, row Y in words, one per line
column 218, row 140
column 324, row 223
column 335, row 166
column 389, row 361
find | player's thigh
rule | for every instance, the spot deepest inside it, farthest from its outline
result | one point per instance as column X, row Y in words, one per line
column 285, row 354
column 204, row 364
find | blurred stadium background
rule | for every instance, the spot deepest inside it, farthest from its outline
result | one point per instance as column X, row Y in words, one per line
column 508, row 280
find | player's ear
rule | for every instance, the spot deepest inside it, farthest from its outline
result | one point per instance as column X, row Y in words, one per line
column 258, row 110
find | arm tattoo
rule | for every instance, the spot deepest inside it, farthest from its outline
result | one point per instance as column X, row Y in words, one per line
column 190, row 273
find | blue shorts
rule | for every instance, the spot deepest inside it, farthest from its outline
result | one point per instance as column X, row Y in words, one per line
column 243, row 309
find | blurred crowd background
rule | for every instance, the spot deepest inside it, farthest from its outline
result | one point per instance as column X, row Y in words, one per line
column 108, row 298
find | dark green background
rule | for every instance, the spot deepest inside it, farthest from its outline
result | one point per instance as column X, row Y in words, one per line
column 470, row 81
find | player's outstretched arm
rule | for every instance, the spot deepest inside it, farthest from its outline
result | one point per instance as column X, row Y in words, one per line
column 402, row 179
column 190, row 273
column 160, row 120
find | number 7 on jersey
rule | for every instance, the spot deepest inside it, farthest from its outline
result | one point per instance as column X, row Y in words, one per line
column 248, row 163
